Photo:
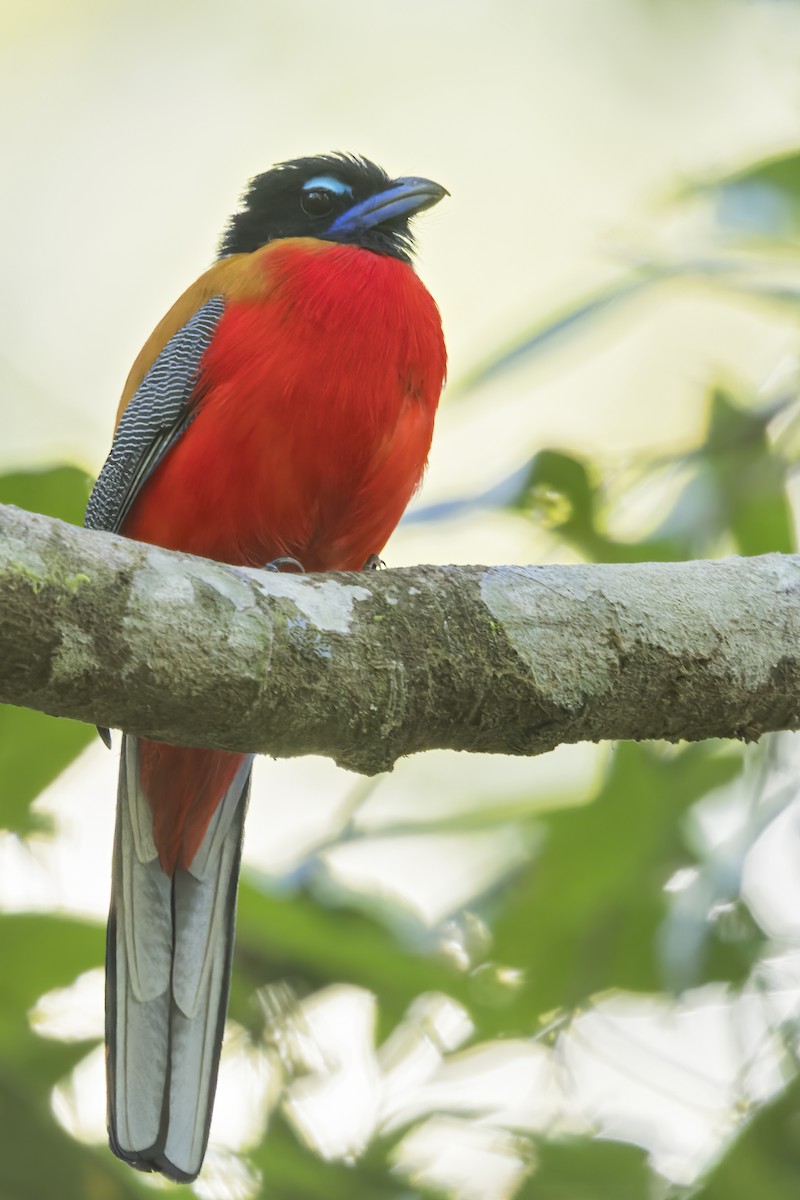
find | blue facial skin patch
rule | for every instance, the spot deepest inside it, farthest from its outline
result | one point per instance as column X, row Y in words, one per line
column 328, row 183
column 402, row 198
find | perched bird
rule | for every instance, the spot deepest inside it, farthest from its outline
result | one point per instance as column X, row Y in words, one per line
column 282, row 409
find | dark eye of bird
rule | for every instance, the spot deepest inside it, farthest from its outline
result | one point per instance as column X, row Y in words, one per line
column 317, row 203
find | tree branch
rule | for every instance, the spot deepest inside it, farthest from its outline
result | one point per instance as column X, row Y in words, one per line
column 365, row 668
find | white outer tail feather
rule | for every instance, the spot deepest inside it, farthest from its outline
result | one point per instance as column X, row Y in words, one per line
column 168, row 960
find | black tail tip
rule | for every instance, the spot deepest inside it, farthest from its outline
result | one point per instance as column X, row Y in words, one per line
column 151, row 1159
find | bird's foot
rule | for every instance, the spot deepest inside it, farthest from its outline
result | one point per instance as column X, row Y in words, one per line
column 286, row 564
column 373, row 563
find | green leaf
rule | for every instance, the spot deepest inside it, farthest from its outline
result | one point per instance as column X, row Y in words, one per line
column 765, row 1158
column 562, row 492
column 297, row 938
column 748, row 479
column 38, row 953
column 55, row 491
column 291, row 1170
column 40, row 1160
column 736, row 488
column 588, row 1169
column 585, row 916
column 34, row 748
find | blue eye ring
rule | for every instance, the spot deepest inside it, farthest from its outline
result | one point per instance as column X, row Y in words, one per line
column 328, row 183
column 319, row 195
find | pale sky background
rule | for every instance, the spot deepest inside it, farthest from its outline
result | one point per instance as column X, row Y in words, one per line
column 563, row 132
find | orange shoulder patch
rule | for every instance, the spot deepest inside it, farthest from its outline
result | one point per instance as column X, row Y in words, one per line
column 238, row 277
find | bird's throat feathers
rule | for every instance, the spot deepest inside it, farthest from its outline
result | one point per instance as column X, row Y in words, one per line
column 367, row 314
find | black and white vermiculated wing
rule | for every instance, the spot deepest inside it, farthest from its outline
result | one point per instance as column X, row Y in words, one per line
column 158, row 413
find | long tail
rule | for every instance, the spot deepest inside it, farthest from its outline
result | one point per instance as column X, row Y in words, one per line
column 168, row 964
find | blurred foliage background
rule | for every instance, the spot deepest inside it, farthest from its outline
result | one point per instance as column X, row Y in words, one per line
column 574, row 978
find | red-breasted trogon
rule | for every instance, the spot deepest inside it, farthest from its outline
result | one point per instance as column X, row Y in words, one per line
column 283, row 408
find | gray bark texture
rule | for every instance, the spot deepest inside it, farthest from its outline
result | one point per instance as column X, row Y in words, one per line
column 368, row 667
